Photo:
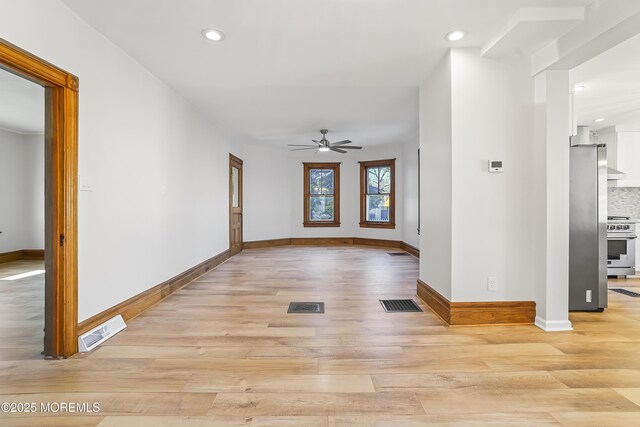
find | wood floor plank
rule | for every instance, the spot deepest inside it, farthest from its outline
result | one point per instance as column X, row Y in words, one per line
column 482, row 400
column 315, row 403
column 51, row 421
column 257, row 383
column 208, row 421
column 447, row 420
column 457, row 380
column 597, row 419
column 594, row 378
column 633, row 394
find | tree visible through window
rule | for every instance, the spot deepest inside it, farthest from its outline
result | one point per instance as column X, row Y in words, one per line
column 322, row 195
column 377, row 201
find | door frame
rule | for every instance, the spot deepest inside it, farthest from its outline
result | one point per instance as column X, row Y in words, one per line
column 236, row 162
column 61, row 195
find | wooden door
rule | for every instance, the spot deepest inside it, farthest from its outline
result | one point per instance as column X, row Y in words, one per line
column 235, row 204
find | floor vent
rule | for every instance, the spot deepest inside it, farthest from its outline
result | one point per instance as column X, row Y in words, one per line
column 626, row 292
column 398, row 253
column 399, row 305
column 96, row 336
column 306, row 307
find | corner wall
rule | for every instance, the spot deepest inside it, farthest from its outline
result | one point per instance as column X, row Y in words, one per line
column 476, row 224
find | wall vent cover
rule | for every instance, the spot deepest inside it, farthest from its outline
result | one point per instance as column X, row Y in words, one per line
column 96, row 336
column 626, row 292
column 306, row 307
column 399, row 305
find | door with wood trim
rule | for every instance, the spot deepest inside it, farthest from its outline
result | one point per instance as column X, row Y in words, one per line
column 235, row 204
column 61, row 192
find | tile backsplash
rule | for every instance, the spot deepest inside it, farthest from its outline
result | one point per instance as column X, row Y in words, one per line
column 623, row 201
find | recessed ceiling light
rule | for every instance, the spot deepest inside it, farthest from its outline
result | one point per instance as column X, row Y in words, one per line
column 213, row 35
column 599, row 120
column 455, row 35
column 578, row 88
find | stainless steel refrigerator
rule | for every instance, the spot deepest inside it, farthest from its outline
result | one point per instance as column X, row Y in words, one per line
column 588, row 228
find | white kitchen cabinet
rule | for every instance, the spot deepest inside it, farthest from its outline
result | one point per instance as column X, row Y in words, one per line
column 628, row 158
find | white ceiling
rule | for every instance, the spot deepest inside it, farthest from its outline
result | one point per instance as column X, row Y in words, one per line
column 612, row 82
column 21, row 104
column 291, row 67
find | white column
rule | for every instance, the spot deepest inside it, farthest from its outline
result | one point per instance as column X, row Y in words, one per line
column 551, row 193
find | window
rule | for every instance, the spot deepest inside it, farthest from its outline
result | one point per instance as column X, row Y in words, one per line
column 377, row 194
column 322, row 194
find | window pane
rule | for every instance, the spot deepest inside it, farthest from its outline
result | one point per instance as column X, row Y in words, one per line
column 234, row 184
column 379, row 180
column 378, row 208
column 372, row 181
column 315, row 181
column 385, row 179
column 321, row 208
column 327, row 181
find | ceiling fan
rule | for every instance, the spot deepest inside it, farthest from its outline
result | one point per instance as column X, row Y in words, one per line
column 324, row 145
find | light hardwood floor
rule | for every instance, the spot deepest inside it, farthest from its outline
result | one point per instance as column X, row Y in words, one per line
column 223, row 351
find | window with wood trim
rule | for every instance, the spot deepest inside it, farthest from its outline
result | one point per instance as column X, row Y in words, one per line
column 322, row 194
column 377, row 194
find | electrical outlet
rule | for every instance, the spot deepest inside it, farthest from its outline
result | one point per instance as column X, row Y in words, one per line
column 589, row 295
column 491, row 284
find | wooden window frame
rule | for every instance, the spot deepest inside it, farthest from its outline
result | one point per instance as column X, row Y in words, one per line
column 61, row 195
column 336, row 194
column 364, row 223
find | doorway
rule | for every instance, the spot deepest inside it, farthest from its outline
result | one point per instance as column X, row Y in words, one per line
column 60, row 212
column 235, row 204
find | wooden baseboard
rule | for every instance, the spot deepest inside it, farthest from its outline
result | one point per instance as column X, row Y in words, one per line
column 141, row 302
column 477, row 313
column 33, row 254
column 410, row 249
column 257, row 244
column 321, row 241
column 377, row 242
column 26, row 254
column 332, row 241
column 11, row 256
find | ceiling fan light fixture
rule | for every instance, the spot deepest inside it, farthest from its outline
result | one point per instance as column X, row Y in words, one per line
column 324, row 149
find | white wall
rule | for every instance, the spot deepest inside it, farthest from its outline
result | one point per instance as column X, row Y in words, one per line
column 492, row 119
column 410, row 191
column 34, row 191
column 11, row 192
column 436, row 179
column 267, row 195
column 136, row 135
column 21, row 191
column 475, row 224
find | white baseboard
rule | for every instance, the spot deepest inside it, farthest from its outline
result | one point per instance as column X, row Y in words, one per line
column 553, row 325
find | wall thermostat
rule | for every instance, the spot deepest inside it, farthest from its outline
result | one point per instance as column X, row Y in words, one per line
column 495, row 166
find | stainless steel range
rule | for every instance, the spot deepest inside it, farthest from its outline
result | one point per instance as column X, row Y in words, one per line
column 621, row 246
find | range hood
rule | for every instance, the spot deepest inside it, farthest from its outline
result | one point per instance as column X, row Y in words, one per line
column 614, row 174
column 583, row 137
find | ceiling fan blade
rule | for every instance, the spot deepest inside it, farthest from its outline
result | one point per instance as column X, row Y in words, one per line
column 317, row 142
column 301, row 149
column 352, row 147
column 346, row 141
column 301, row 145
column 337, row 150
